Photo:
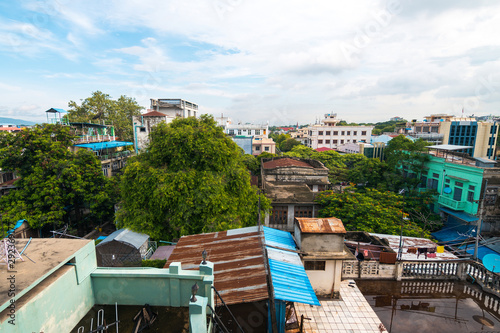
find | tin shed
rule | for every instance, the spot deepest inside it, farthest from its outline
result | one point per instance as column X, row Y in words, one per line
column 122, row 248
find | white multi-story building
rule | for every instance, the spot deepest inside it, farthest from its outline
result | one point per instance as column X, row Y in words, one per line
column 174, row 107
column 329, row 135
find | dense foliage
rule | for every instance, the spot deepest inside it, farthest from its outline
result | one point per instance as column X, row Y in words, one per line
column 53, row 180
column 284, row 142
column 191, row 179
column 100, row 107
column 371, row 211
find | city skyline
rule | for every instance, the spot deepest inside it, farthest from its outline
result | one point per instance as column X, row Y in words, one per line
column 255, row 61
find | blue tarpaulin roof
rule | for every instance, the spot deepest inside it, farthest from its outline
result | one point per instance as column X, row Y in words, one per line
column 460, row 215
column 454, row 234
column 289, row 278
column 104, row 145
column 481, row 251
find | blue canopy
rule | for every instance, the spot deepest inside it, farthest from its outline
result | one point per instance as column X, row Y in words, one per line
column 481, row 251
column 104, row 145
column 460, row 215
column 455, row 234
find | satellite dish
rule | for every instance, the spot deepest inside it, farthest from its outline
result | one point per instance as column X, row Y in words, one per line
column 447, row 190
column 492, row 262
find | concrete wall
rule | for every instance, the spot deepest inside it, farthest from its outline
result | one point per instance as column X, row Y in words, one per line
column 155, row 286
column 322, row 243
column 323, row 281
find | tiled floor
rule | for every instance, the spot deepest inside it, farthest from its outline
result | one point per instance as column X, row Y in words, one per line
column 351, row 314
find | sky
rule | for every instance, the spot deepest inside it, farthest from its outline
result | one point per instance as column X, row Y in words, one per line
column 282, row 62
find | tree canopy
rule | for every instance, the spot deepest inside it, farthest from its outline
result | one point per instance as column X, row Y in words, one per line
column 371, row 211
column 191, row 179
column 100, row 107
column 53, row 180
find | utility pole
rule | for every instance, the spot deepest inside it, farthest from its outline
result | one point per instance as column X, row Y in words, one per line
column 480, row 221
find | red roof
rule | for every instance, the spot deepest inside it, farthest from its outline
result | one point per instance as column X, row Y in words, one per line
column 153, row 114
column 323, row 149
column 286, row 162
column 13, row 129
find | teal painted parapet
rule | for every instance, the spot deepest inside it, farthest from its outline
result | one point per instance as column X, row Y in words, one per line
column 154, row 286
column 198, row 315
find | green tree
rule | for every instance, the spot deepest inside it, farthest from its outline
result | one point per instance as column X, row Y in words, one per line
column 406, row 160
column 371, row 211
column 288, row 144
column 191, row 179
column 53, row 180
column 100, row 107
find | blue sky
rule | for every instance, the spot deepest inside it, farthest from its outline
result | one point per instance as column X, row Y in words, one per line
column 255, row 61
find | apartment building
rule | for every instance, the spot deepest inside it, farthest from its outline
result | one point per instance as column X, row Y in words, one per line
column 329, row 135
column 174, row 107
column 481, row 136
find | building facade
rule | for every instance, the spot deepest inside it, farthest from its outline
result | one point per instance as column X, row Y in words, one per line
column 329, row 135
column 292, row 185
column 464, row 131
column 174, row 107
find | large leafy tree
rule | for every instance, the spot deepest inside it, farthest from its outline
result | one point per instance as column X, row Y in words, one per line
column 100, row 107
column 370, row 210
column 53, row 180
column 192, row 178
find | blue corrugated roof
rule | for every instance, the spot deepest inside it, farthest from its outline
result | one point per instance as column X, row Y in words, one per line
column 454, row 234
column 104, row 145
column 54, row 110
column 290, row 283
column 279, row 238
column 460, row 215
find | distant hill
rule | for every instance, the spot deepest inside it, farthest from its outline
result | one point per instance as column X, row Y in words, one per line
column 12, row 121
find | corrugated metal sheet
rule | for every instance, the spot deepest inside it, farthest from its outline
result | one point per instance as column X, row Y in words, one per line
column 290, row 283
column 239, row 271
column 329, row 225
column 279, row 238
column 127, row 236
column 286, row 162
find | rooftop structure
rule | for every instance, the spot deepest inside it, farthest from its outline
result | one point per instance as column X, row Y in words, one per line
column 174, row 107
column 292, row 184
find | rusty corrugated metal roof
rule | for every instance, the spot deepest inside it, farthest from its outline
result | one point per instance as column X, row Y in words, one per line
column 239, row 271
column 153, row 114
column 330, row 225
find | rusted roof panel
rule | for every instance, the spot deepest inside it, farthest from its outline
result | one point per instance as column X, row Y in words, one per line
column 153, row 114
column 239, row 271
column 286, row 162
column 331, row 225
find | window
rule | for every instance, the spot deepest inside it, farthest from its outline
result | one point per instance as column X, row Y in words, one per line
column 239, row 132
column 353, row 141
column 231, row 132
column 327, row 133
column 303, row 211
column 335, row 141
column 432, row 183
column 342, row 133
column 341, row 141
column 490, row 197
column 327, row 141
column 363, row 132
column 348, row 132
column 142, row 129
column 423, row 181
column 279, row 215
column 320, row 133
column 457, row 194
column 355, row 133
column 470, row 196
column 257, row 132
column 257, row 148
column 320, row 141
column 447, row 180
column 335, row 132
column 317, row 265
column 266, row 148
column 435, row 175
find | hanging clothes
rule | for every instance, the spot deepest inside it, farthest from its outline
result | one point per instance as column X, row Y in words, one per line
column 412, row 250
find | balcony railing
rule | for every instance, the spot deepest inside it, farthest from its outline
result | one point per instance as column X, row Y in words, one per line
column 450, row 203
